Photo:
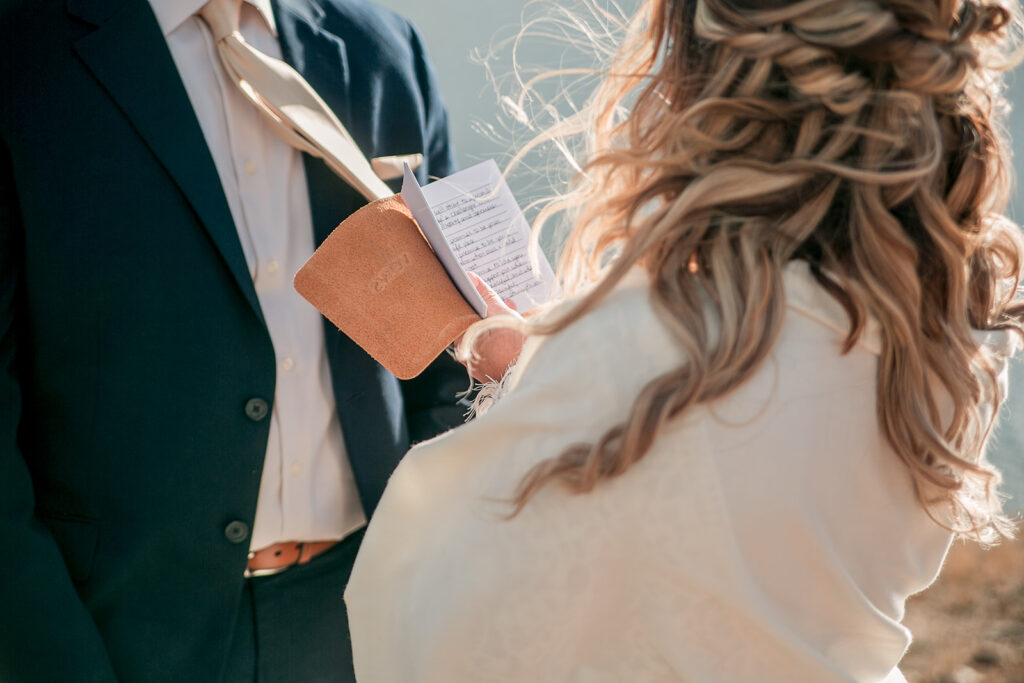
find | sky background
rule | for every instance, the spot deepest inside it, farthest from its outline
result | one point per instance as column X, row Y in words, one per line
column 457, row 32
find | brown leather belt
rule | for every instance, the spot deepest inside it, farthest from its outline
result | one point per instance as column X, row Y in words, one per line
column 280, row 556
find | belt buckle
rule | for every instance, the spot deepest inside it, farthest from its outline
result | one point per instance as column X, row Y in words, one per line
column 304, row 551
column 268, row 571
column 255, row 573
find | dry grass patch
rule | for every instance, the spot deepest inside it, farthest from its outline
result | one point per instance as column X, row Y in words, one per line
column 969, row 626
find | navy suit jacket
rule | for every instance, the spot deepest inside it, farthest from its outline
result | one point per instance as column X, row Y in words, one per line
column 131, row 339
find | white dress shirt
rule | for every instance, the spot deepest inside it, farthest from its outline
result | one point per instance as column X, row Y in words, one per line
column 771, row 535
column 307, row 492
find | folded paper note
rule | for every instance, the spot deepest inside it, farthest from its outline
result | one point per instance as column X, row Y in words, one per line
column 473, row 215
column 400, row 290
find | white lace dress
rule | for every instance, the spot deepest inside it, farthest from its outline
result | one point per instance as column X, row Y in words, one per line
column 769, row 536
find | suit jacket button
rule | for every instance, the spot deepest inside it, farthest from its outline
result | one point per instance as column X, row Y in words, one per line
column 256, row 409
column 236, row 531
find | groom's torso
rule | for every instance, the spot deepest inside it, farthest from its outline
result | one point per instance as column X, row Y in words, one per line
column 143, row 357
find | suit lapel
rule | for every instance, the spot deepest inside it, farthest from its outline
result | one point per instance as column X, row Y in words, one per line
column 128, row 54
column 321, row 58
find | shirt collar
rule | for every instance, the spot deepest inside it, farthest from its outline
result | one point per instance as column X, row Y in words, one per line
column 170, row 14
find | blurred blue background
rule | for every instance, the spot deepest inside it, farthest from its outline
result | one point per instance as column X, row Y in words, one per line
column 456, row 33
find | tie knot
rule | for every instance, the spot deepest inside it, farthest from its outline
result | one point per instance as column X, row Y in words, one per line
column 221, row 16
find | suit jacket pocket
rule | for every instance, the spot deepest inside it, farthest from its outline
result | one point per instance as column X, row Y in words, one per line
column 77, row 538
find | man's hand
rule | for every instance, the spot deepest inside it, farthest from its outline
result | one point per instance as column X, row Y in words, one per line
column 494, row 350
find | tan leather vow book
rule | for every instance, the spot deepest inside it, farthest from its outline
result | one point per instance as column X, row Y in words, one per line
column 393, row 275
column 377, row 279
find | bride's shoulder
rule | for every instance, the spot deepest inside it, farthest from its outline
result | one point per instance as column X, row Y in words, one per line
column 623, row 315
column 622, row 328
column 611, row 351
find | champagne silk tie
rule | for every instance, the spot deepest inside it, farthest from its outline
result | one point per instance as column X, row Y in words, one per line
column 290, row 106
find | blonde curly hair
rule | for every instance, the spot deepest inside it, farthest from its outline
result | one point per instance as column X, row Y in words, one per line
column 729, row 137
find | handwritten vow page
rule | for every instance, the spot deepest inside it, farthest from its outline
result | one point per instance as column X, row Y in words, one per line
column 482, row 230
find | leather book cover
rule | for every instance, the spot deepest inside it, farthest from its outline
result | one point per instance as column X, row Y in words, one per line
column 377, row 279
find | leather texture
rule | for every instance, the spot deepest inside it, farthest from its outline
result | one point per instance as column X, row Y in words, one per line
column 376, row 278
column 282, row 556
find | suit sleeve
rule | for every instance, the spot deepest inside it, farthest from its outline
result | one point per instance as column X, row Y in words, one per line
column 431, row 400
column 46, row 633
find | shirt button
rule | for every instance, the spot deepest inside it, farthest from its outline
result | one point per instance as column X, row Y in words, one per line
column 296, row 469
column 236, row 531
column 288, row 364
column 256, row 409
column 250, row 166
column 273, row 267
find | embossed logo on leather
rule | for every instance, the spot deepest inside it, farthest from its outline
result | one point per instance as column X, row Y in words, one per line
column 386, row 275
